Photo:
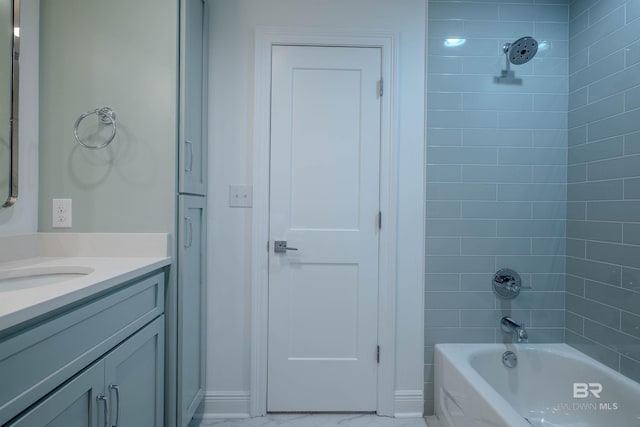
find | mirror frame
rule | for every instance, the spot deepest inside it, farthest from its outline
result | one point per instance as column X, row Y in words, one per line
column 13, row 121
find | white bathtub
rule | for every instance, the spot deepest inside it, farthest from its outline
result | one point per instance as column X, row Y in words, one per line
column 475, row 389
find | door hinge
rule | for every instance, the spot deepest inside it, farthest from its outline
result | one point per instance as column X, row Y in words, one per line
column 380, row 87
column 378, row 354
column 268, row 241
column 379, row 220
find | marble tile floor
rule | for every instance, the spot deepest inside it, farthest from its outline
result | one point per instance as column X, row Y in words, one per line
column 312, row 420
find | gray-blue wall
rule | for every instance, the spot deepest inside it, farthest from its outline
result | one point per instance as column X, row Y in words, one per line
column 496, row 173
column 85, row 64
column 603, row 225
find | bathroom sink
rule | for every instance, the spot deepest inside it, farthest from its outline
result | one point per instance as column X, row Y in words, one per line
column 34, row 277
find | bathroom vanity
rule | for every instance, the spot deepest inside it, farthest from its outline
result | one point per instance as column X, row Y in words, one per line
column 148, row 174
column 82, row 341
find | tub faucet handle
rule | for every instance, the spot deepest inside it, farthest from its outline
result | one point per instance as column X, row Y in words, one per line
column 504, row 279
column 509, row 326
column 522, row 333
column 507, row 283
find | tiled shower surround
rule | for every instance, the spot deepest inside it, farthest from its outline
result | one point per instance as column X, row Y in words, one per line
column 496, row 172
column 603, row 226
column 521, row 176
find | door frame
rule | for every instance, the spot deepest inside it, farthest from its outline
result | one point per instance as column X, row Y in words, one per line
column 265, row 38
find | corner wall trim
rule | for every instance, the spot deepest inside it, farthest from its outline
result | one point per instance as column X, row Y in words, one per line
column 224, row 404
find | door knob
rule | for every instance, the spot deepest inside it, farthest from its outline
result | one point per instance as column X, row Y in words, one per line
column 280, row 247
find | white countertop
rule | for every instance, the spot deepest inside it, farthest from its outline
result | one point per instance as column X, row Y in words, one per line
column 109, row 258
column 19, row 305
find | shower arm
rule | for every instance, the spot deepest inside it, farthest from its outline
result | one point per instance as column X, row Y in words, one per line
column 505, row 49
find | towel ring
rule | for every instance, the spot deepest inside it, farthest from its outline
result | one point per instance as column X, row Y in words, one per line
column 107, row 117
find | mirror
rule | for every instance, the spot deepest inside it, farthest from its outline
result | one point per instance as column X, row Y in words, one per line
column 9, row 51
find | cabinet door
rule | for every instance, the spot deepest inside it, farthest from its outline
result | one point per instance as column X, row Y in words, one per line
column 79, row 403
column 191, row 306
column 193, row 145
column 72, row 340
column 134, row 378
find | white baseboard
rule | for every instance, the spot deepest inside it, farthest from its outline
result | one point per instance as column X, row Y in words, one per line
column 225, row 404
column 235, row 404
column 408, row 404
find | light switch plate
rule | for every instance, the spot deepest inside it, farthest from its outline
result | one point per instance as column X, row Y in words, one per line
column 240, row 196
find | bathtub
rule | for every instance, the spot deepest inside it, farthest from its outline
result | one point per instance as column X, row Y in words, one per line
column 473, row 388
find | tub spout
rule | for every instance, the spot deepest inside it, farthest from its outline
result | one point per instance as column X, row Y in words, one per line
column 509, row 326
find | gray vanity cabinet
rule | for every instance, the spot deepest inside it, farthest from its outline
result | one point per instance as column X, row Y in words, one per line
column 193, row 111
column 65, row 369
column 126, row 386
column 192, row 180
column 134, row 379
column 191, row 306
column 73, row 405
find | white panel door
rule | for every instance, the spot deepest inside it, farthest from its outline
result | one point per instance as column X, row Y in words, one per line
column 324, row 201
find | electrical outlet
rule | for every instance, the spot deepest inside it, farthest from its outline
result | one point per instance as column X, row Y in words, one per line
column 240, row 196
column 61, row 213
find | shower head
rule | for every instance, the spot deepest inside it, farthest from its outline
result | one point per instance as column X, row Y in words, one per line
column 521, row 51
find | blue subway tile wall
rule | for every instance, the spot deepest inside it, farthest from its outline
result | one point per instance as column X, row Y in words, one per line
column 497, row 170
column 603, row 214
